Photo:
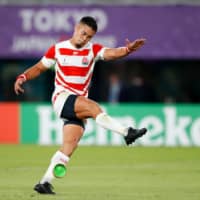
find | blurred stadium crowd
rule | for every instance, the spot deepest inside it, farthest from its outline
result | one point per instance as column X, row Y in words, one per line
column 127, row 80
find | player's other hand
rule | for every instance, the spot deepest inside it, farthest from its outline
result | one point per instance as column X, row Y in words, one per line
column 135, row 45
column 18, row 86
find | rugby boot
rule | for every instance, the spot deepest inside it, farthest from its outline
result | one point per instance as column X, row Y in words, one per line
column 134, row 134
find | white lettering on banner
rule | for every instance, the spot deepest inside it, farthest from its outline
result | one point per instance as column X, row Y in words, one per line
column 154, row 137
column 47, row 126
column 42, row 43
column 176, row 128
column 45, row 20
column 32, row 43
column 101, row 136
column 172, row 130
column 106, row 40
column 61, row 21
column 195, row 132
column 26, row 15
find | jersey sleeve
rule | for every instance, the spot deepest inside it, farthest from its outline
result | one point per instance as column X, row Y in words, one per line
column 48, row 59
column 98, row 51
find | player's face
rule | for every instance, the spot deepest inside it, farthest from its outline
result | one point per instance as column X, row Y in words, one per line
column 82, row 35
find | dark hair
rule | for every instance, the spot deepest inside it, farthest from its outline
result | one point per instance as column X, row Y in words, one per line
column 90, row 21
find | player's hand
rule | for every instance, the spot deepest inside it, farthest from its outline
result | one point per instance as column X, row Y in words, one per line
column 135, row 45
column 18, row 86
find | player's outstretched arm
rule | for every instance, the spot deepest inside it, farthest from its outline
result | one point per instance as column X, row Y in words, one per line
column 29, row 74
column 130, row 47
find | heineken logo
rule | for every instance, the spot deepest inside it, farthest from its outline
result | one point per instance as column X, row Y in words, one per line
column 167, row 126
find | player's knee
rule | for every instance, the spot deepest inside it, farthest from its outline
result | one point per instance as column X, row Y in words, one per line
column 94, row 108
column 90, row 107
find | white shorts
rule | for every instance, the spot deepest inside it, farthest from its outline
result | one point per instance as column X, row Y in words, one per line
column 63, row 105
column 58, row 101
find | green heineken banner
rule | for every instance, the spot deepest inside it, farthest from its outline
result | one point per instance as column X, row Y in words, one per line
column 168, row 125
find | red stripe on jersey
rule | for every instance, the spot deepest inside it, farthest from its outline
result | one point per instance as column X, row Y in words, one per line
column 77, row 86
column 71, row 52
column 96, row 48
column 65, row 86
column 50, row 52
column 74, row 71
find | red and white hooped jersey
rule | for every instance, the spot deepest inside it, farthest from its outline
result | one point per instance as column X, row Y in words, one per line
column 73, row 67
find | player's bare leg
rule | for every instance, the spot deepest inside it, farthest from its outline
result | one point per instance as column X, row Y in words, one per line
column 72, row 133
column 85, row 108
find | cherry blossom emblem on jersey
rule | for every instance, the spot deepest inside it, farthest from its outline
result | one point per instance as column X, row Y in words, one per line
column 85, row 61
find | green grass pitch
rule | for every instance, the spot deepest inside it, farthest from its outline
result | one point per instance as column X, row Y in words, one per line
column 103, row 173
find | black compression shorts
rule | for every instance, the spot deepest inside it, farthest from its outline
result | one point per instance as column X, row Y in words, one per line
column 68, row 113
